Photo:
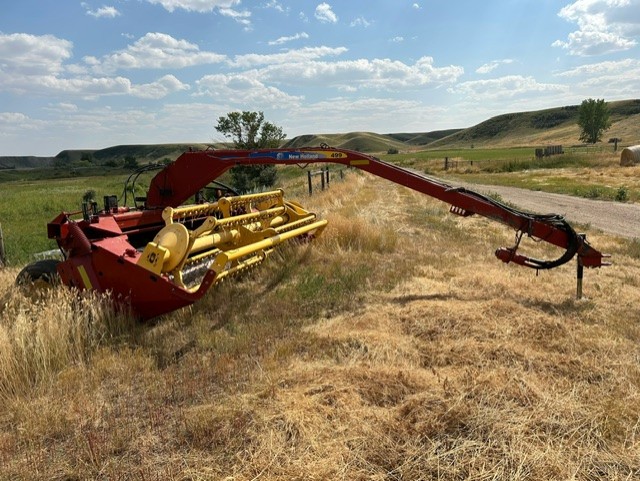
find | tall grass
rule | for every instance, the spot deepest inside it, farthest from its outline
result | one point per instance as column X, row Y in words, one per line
column 44, row 332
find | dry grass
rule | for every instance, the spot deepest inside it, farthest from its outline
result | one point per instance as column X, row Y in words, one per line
column 396, row 347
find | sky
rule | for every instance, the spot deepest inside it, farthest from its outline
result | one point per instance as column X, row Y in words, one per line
column 97, row 73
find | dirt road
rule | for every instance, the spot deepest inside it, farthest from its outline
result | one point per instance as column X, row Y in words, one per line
column 610, row 217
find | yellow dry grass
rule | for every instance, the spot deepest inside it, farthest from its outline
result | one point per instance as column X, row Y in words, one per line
column 395, row 347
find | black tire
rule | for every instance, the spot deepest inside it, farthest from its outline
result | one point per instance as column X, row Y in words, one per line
column 42, row 273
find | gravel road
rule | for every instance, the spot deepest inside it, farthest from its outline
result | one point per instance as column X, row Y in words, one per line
column 611, row 217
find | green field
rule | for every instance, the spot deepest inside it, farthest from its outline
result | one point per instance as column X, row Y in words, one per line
column 493, row 159
column 27, row 206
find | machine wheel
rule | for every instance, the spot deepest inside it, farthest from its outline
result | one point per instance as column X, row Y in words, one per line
column 39, row 274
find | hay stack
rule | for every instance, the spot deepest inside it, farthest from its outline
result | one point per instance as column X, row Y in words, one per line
column 630, row 156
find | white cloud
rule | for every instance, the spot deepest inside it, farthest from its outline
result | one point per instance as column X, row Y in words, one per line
column 325, row 14
column 159, row 89
column 87, row 87
column 292, row 57
column 283, row 40
column 35, row 65
column 504, row 87
column 618, row 67
column 605, row 26
column 240, row 17
column 103, row 12
column 396, row 40
column 91, row 88
column 352, row 75
column 65, row 107
column 491, row 66
column 223, row 7
column 244, row 89
column 416, row 6
column 155, row 50
column 12, row 118
column 201, row 6
column 25, row 54
column 344, row 114
column 593, row 42
column 612, row 79
column 276, row 6
column 360, row 22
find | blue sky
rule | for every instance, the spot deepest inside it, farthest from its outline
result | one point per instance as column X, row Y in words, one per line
column 96, row 73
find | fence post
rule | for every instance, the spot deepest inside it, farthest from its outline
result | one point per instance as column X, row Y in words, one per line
column 3, row 259
column 446, row 163
column 310, row 183
column 322, row 179
column 327, row 174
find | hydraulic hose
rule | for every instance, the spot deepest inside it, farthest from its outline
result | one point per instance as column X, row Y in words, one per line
column 555, row 220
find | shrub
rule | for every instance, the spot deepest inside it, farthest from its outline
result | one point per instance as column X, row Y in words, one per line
column 547, row 120
column 592, row 193
column 130, row 162
column 622, row 194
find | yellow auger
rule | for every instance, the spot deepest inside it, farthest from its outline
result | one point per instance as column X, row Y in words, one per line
column 226, row 236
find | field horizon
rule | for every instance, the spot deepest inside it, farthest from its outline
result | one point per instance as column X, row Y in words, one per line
column 530, row 128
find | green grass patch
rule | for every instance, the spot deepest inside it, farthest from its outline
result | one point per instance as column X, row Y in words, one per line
column 556, row 184
column 27, row 206
column 515, row 153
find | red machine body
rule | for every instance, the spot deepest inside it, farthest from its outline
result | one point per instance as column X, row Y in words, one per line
column 103, row 251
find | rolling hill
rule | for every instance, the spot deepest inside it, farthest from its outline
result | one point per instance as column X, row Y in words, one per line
column 369, row 141
column 24, row 162
column 544, row 127
column 142, row 153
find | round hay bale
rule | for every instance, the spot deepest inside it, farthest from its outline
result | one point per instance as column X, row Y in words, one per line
column 630, row 156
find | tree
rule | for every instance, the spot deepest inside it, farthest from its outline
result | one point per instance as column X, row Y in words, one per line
column 593, row 119
column 130, row 162
column 248, row 130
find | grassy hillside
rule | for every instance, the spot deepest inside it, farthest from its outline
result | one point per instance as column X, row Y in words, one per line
column 535, row 128
column 361, row 141
column 394, row 347
column 25, row 162
column 544, row 127
column 370, row 142
column 143, row 153
column 423, row 138
column 116, row 154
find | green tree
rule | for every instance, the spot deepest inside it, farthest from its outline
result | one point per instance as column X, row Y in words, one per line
column 249, row 130
column 130, row 162
column 593, row 119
